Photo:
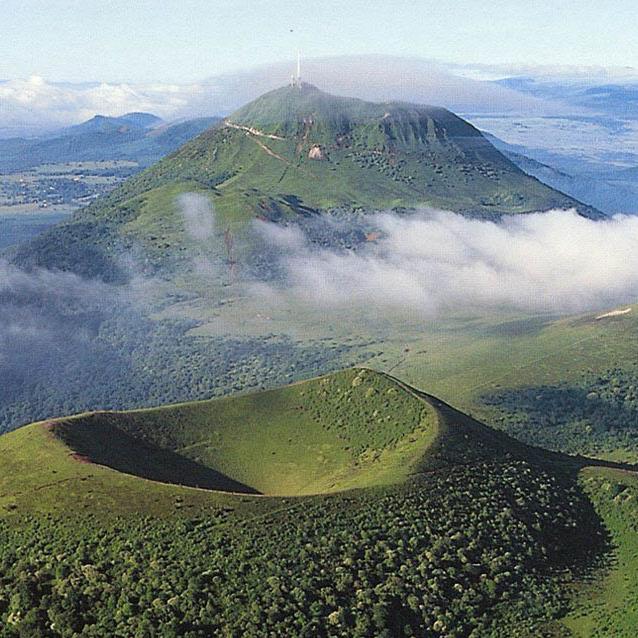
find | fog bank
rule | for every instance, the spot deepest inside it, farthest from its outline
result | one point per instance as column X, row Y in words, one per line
column 437, row 262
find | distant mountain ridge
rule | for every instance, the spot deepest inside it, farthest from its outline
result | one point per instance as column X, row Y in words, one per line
column 105, row 123
column 612, row 192
column 616, row 99
column 138, row 137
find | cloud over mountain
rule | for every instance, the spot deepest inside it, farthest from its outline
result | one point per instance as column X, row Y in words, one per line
column 437, row 262
column 33, row 104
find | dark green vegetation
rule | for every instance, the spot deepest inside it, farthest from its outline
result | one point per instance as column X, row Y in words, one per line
column 456, row 530
column 394, row 154
column 598, row 415
column 139, row 362
column 420, row 560
column 296, row 151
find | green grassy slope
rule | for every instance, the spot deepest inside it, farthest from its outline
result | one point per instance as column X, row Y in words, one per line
column 39, row 474
column 607, row 606
column 396, row 154
column 566, row 384
column 458, row 529
column 352, row 429
column 296, row 151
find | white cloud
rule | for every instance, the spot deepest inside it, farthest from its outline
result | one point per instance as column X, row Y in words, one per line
column 198, row 215
column 437, row 262
column 33, row 104
column 380, row 78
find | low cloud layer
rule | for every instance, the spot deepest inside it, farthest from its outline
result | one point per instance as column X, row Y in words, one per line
column 436, row 263
column 43, row 313
column 31, row 105
column 581, row 74
column 58, row 330
column 199, row 217
column 379, row 78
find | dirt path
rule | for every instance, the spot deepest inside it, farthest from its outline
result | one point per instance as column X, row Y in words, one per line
column 254, row 131
column 269, row 151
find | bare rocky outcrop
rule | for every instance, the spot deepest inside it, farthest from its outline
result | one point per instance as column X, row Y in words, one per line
column 317, row 153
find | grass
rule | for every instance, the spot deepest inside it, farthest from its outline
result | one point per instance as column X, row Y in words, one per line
column 355, row 464
column 159, row 224
column 62, row 483
column 481, row 356
column 608, row 606
column 264, row 443
column 470, row 361
column 459, row 358
column 352, row 429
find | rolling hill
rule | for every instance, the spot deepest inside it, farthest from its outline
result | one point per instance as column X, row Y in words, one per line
column 238, row 516
column 137, row 137
column 107, row 124
column 293, row 152
column 355, row 428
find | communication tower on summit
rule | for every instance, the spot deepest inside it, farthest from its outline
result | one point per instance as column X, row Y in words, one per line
column 295, row 79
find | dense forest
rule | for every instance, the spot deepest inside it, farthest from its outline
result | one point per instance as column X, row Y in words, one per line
column 468, row 551
column 132, row 361
column 596, row 416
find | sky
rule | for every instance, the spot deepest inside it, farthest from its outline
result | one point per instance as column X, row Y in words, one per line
column 184, row 41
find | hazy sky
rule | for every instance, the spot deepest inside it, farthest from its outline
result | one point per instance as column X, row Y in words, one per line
column 186, row 40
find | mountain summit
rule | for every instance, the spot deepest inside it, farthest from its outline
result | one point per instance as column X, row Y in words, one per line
column 305, row 111
column 387, row 154
column 106, row 124
column 297, row 150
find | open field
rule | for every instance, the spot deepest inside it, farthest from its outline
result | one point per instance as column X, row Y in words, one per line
column 70, row 185
column 569, row 381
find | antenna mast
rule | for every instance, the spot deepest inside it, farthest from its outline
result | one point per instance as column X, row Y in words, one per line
column 295, row 78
